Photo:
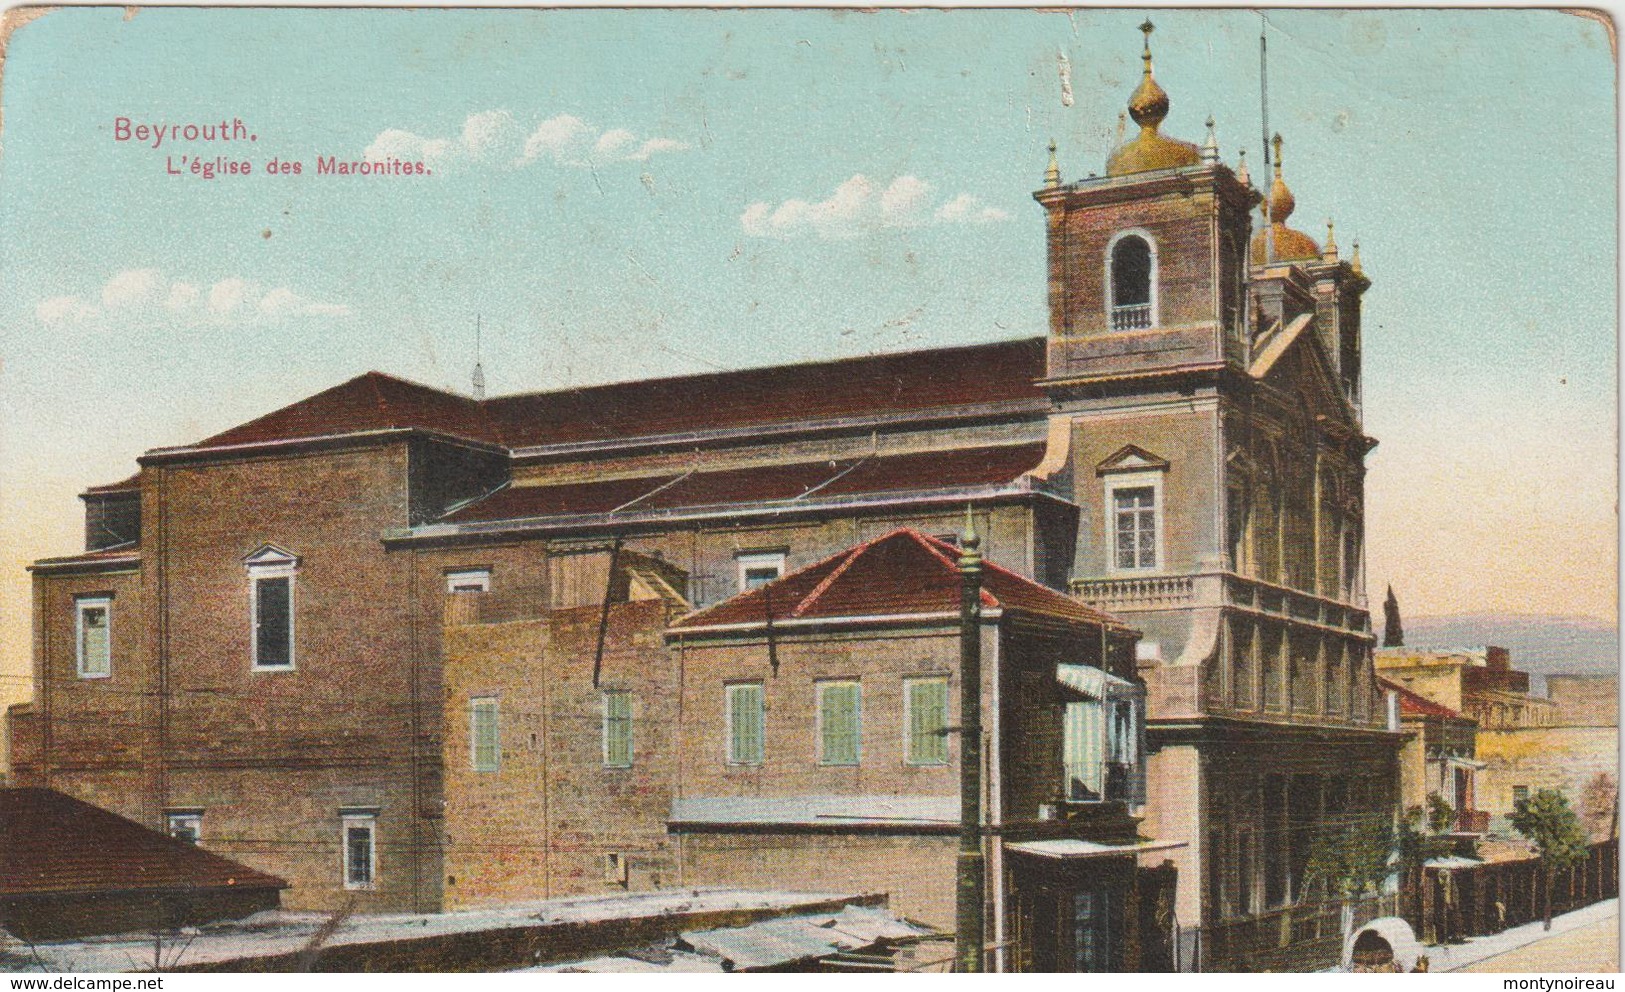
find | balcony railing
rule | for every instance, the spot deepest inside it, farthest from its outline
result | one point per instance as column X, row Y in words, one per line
column 1127, row 595
column 1133, row 317
column 1473, row 821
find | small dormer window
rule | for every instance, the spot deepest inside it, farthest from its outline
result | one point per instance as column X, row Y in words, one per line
column 1131, row 281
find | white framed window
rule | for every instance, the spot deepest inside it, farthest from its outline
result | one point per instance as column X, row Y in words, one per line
column 617, row 729
column 1134, row 531
column 185, row 824
column 840, row 722
column 360, row 828
column 925, row 720
column 758, row 568
column 745, row 722
column 271, row 573
column 1131, row 280
column 93, row 635
column 468, row 580
column 485, row 733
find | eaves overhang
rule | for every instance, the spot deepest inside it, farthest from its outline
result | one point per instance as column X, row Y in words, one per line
column 473, row 531
column 984, row 413
column 300, row 445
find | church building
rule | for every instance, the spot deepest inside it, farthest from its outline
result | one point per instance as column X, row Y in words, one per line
column 320, row 642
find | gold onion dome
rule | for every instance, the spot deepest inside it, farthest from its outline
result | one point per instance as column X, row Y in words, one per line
column 1151, row 150
column 1289, row 245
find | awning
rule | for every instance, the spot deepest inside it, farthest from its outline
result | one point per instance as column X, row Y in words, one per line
column 1070, row 848
column 1094, row 683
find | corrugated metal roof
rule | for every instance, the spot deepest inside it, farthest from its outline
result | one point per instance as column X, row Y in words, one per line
column 1069, row 848
column 775, row 943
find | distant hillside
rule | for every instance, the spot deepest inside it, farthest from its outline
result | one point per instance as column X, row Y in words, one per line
column 1544, row 645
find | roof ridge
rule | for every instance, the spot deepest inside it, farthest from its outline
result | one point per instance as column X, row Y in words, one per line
column 852, row 555
column 805, row 363
column 987, row 597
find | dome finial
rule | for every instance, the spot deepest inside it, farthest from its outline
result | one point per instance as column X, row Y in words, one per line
column 1354, row 262
column 1329, row 253
column 1150, row 151
column 1052, row 174
column 1242, row 175
column 1277, row 242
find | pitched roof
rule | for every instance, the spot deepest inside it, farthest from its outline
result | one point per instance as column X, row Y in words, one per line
column 57, row 844
column 903, row 573
column 904, row 382
column 1412, row 703
column 129, row 485
column 908, row 382
column 966, row 467
column 369, row 402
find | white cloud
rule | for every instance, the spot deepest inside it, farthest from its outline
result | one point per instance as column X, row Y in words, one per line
column 129, row 288
column 493, row 137
column 145, row 290
column 182, row 296
column 965, row 208
column 64, row 309
column 227, row 295
column 858, row 205
column 284, row 301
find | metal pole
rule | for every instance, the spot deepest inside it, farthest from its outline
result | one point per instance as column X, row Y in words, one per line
column 971, row 868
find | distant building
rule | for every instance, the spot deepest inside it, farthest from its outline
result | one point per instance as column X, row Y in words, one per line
column 1439, row 759
column 1479, row 682
column 1584, row 700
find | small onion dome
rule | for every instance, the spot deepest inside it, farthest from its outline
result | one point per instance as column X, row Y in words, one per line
column 1151, row 150
column 1289, row 245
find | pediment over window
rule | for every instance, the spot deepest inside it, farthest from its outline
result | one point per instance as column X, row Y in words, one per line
column 270, row 556
column 1131, row 458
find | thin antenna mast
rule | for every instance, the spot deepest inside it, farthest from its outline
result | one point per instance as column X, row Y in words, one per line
column 479, row 372
column 1264, row 135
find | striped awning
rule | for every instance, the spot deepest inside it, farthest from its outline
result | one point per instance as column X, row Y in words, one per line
column 1094, row 683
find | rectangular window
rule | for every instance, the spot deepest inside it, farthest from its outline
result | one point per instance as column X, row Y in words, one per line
column 839, row 723
column 273, row 621
column 468, row 580
column 360, row 850
column 759, row 568
column 1134, row 515
column 925, row 717
column 93, row 623
column 485, row 733
column 618, row 729
column 185, row 825
column 745, row 719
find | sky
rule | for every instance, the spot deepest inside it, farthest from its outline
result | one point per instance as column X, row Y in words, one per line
column 626, row 194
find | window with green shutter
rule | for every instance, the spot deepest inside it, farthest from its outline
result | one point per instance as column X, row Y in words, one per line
column 485, row 734
column 925, row 704
column 745, row 719
column 618, row 729
column 839, row 723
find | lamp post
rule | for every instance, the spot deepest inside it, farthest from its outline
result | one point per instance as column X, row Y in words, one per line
column 971, row 874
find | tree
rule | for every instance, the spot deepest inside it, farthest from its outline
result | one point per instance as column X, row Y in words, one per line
column 1597, row 804
column 1416, row 846
column 1547, row 819
column 1441, row 816
column 1349, row 856
column 1393, row 632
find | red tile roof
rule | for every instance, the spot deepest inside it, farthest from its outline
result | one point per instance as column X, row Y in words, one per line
column 762, row 484
column 909, row 382
column 900, row 383
column 904, row 573
column 1412, row 703
column 370, row 402
column 54, row 843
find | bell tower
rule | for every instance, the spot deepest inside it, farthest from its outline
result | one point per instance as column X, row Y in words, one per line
column 1147, row 264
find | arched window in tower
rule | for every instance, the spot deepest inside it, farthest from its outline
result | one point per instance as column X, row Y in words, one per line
column 1132, row 277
